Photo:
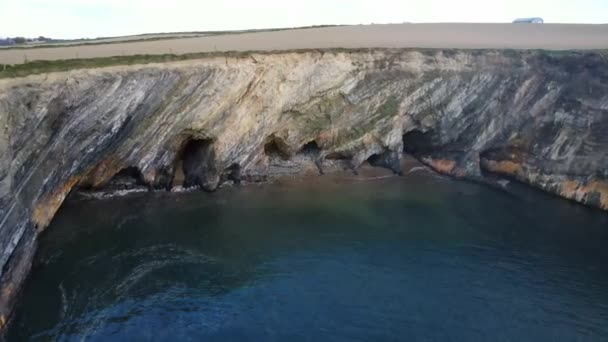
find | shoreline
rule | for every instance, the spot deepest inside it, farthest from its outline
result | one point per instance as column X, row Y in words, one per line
column 364, row 173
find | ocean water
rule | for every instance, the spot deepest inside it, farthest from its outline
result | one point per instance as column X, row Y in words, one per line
column 414, row 258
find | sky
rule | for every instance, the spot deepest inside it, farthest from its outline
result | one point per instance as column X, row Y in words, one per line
column 104, row 18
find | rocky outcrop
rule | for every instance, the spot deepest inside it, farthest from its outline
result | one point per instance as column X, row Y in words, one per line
column 538, row 117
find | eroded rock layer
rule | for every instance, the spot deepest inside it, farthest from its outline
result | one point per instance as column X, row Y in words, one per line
column 539, row 117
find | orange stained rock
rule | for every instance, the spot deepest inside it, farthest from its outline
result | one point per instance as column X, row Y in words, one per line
column 7, row 291
column 104, row 171
column 443, row 165
column 446, row 166
column 505, row 167
column 45, row 210
column 460, row 173
column 569, row 188
column 576, row 190
column 602, row 188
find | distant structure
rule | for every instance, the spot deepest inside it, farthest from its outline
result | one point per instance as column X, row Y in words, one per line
column 528, row 21
column 7, row 41
column 22, row 40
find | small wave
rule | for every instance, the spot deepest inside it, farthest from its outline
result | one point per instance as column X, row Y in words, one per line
column 124, row 221
column 503, row 183
column 158, row 257
column 180, row 188
column 111, row 194
column 418, row 168
column 372, row 178
column 144, row 269
column 140, row 272
column 64, row 300
column 427, row 170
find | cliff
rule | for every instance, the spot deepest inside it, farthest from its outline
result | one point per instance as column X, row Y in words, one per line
column 538, row 117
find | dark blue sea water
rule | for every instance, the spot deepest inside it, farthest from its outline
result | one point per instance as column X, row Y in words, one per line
column 416, row 258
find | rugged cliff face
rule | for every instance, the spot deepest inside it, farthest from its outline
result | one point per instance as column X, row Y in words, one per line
column 539, row 117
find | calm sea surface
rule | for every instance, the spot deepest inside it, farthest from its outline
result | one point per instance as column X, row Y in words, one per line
column 415, row 258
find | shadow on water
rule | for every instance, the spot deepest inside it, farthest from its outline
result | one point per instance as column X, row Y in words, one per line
column 419, row 257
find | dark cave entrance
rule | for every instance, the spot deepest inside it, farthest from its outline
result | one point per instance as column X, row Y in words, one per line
column 195, row 165
column 310, row 149
column 232, row 173
column 388, row 159
column 126, row 179
column 339, row 156
column 276, row 149
column 417, row 143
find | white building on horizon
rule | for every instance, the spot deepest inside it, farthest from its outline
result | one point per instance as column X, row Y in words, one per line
column 536, row 20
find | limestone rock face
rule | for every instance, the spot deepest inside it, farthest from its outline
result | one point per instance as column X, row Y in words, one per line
column 538, row 117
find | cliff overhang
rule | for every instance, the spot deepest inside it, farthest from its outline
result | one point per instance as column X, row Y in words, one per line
column 535, row 116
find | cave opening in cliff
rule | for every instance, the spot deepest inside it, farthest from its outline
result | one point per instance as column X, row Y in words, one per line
column 375, row 159
column 232, row 173
column 417, row 142
column 310, row 149
column 276, row 148
column 390, row 160
column 126, row 179
column 195, row 164
column 339, row 156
